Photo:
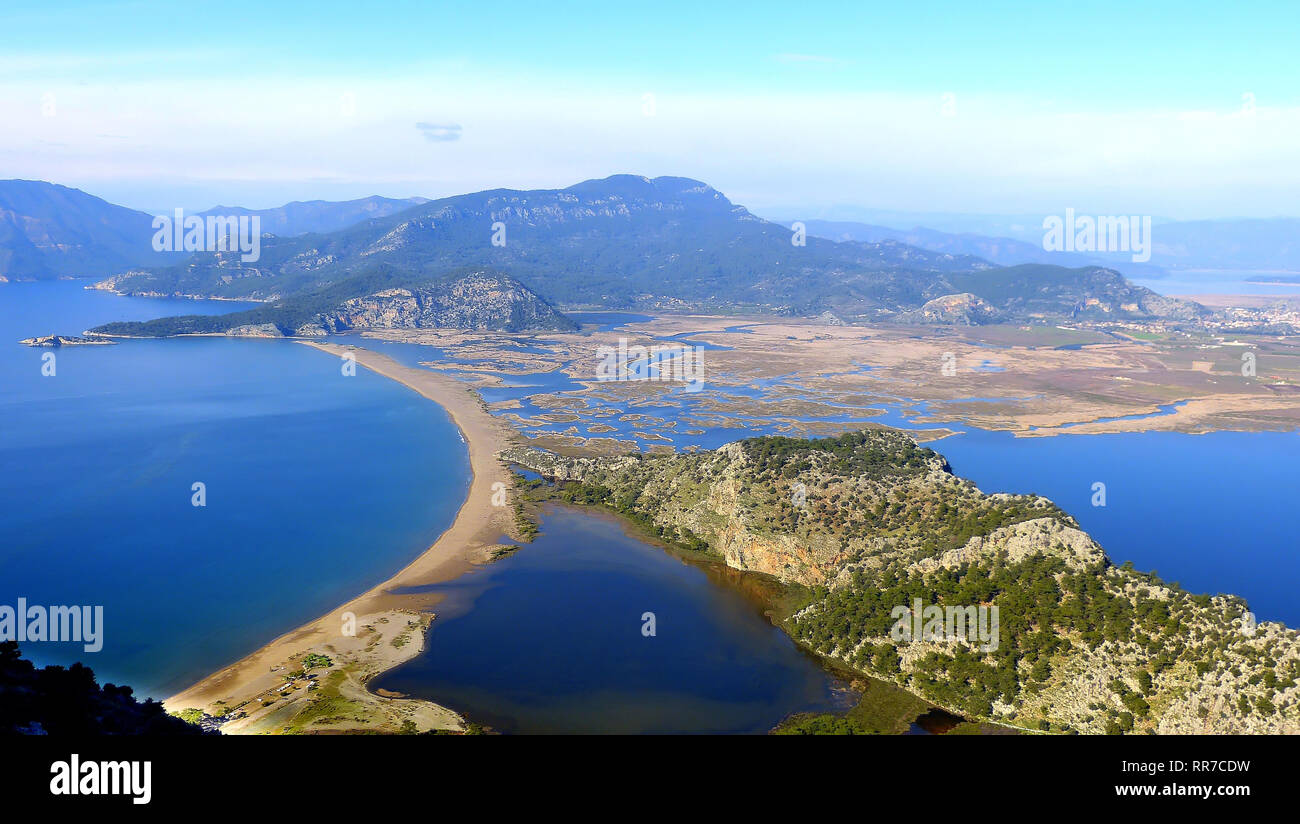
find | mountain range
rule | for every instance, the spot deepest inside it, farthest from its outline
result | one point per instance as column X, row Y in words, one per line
column 50, row 231
column 620, row 243
column 666, row 244
column 301, row 217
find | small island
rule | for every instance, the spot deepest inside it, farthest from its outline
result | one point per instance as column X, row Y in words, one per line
column 89, row 339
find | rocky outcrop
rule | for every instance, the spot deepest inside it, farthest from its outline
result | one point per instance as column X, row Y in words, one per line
column 1040, row 536
column 255, row 330
column 963, row 309
column 829, row 318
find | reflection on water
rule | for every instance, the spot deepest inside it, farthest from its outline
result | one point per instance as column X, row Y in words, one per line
column 555, row 642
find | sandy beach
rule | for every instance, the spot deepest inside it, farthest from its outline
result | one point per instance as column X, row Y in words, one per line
column 386, row 628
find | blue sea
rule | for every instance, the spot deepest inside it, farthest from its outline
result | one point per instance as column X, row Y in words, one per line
column 318, row 486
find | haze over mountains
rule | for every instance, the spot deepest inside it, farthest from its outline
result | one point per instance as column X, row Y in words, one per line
column 1235, row 244
column 51, row 231
column 301, row 217
column 666, row 244
column 1003, row 251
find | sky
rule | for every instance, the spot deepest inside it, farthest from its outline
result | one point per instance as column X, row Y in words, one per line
column 1184, row 110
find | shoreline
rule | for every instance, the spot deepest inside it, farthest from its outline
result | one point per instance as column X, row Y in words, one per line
column 389, row 627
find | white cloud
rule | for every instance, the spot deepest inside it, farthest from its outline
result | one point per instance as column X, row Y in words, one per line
column 439, row 132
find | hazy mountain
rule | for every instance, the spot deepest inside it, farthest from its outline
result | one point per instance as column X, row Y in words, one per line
column 50, row 231
column 1003, row 251
column 1271, row 244
column 1252, row 244
column 301, row 217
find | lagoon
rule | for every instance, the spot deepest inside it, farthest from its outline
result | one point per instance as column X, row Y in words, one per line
column 553, row 639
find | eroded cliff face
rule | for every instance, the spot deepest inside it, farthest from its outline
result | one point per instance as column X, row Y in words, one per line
column 806, row 529
column 869, row 517
column 787, row 527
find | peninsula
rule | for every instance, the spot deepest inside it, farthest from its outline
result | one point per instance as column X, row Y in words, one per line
column 879, row 534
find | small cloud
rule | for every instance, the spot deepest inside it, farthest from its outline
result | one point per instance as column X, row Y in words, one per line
column 789, row 58
column 439, row 132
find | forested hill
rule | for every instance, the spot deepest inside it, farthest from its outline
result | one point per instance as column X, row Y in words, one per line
column 470, row 299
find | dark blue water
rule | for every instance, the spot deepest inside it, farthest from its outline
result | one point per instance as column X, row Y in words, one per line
column 1213, row 512
column 318, row 485
column 550, row 640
